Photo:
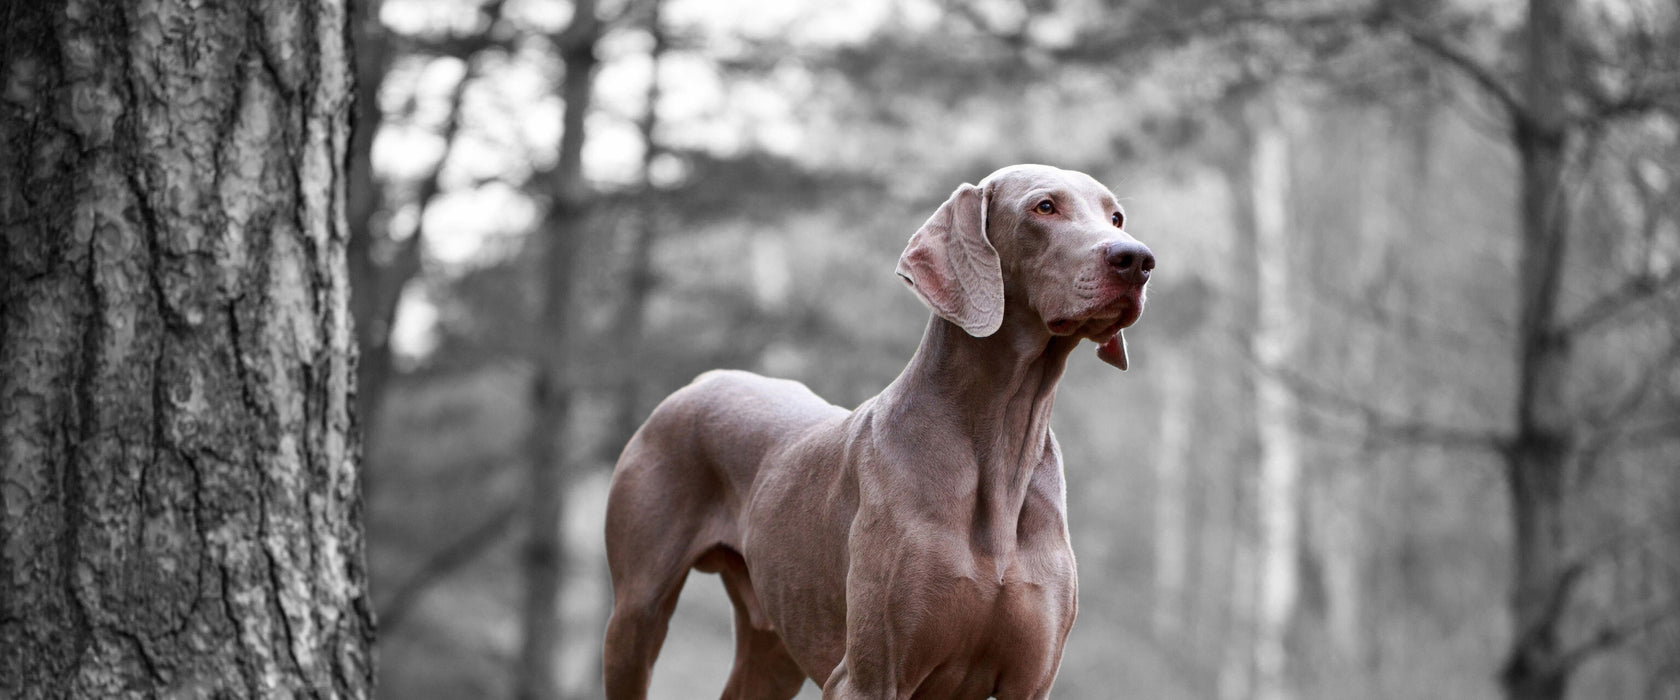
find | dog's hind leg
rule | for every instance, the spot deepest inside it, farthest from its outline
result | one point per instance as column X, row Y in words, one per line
column 635, row 632
column 654, row 521
column 763, row 668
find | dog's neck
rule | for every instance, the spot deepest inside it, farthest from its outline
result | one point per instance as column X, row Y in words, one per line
column 995, row 394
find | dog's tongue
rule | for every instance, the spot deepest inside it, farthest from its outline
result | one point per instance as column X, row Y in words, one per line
column 1113, row 351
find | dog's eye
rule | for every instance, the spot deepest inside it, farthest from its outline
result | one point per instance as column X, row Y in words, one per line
column 1046, row 207
column 1118, row 219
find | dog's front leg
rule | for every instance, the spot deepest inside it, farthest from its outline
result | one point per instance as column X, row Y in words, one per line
column 884, row 613
column 868, row 676
column 867, row 669
column 840, row 686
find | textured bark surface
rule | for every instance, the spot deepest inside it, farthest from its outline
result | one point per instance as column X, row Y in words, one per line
column 179, row 506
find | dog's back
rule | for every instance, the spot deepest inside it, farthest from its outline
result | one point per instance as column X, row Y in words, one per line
column 725, row 423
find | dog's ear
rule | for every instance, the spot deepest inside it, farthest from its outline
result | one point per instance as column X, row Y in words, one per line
column 953, row 267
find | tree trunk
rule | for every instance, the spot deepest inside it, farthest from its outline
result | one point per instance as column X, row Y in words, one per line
column 366, row 201
column 381, row 266
column 638, row 274
column 1275, row 415
column 1172, row 494
column 551, row 391
column 1540, row 589
column 179, row 503
column 1236, row 666
column 1235, row 678
column 1387, row 172
column 1542, row 451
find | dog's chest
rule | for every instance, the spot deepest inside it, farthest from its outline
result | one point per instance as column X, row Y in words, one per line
column 994, row 618
column 1032, row 597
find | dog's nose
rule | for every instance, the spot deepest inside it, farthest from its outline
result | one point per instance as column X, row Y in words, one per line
column 1131, row 260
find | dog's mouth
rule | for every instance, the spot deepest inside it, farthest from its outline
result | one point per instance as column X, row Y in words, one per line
column 1098, row 329
column 1103, row 326
column 1104, row 320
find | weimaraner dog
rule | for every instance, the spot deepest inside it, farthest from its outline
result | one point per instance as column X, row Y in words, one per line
column 916, row 546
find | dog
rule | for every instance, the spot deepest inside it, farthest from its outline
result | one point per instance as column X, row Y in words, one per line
column 918, row 545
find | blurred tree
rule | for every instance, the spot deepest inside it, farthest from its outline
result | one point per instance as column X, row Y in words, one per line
column 178, row 469
column 551, row 358
column 1558, row 88
column 1276, row 407
column 769, row 253
column 638, row 268
column 1256, row 171
column 1561, row 76
column 382, row 262
column 373, row 287
column 1182, row 306
column 379, row 278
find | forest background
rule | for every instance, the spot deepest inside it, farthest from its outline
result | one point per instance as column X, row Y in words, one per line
column 1403, row 418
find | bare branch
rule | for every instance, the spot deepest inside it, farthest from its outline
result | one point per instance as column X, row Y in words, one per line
column 440, row 47
column 639, row 277
column 630, row 14
column 1632, row 105
column 1619, row 632
column 1632, row 292
column 1613, row 422
column 407, row 262
column 442, row 563
column 1381, row 423
column 463, row 47
column 1654, row 433
column 1152, row 35
column 431, row 185
column 1015, row 37
column 383, row 284
column 1650, row 87
column 1483, row 330
column 1459, row 58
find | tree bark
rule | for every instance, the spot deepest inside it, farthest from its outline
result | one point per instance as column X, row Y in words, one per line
column 179, row 503
column 551, row 391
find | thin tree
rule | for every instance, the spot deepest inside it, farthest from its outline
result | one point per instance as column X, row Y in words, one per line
column 381, row 264
column 379, row 285
column 1275, row 408
column 1557, row 92
column 375, row 287
column 639, row 275
column 551, row 390
column 179, row 494
column 1553, row 109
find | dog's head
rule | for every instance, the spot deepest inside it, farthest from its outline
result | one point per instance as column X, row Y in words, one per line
column 1036, row 240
